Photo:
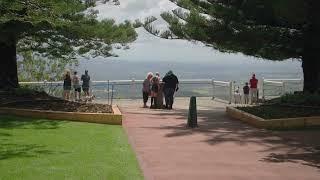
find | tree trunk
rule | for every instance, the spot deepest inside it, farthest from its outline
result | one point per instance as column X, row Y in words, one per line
column 310, row 56
column 8, row 65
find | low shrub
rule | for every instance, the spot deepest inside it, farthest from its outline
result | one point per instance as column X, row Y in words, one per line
column 297, row 100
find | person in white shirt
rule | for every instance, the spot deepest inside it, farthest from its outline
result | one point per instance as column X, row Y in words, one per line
column 76, row 86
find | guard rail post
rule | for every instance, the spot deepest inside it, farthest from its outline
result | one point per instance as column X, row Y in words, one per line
column 230, row 91
column 212, row 82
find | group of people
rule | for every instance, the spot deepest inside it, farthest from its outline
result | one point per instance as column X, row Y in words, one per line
column 73, row 83
column 156, row 88
column 153, row 87
column 250, row 89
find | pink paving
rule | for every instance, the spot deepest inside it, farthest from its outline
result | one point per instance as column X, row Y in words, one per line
column 221, row 148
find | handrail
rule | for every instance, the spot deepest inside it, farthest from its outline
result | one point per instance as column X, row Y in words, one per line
column 294, row 79
column 42, row 82
column 274, row 82
column 283, row 83
column 227, row 90
column 182, row 81
column 124, row 80
column 222, row 82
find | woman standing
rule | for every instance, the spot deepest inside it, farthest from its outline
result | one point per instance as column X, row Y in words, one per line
column 66, row 85
column 159, row 103
column 146, row 89
column 154, row 91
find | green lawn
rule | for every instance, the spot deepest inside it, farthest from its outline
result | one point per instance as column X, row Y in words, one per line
column 44, row 149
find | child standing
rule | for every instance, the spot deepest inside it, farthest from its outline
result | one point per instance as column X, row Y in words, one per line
column 237, row 96
column 154, row 91
column 246, row 91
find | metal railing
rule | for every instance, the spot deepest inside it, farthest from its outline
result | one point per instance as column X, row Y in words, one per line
column 111, row 89
column 131, row 89
column 187, row 87
column 272, row 88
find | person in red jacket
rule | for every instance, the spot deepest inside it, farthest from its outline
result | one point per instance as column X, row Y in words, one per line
column 254, row 89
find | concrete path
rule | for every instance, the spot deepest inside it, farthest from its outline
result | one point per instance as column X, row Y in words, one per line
column 221, row 148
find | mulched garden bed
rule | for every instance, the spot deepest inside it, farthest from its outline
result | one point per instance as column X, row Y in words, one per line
column 28, row 99
column 281, row 111
column 23, row 95
column 287, row 106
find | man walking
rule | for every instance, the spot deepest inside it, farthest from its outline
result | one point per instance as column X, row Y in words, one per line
column 170, row 87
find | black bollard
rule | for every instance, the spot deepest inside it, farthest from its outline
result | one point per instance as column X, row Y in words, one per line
column 192, row 116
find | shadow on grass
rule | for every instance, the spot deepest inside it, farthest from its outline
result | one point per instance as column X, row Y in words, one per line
column 5, row 134
column 12, row 150
column 14, row 122
column 217, row 127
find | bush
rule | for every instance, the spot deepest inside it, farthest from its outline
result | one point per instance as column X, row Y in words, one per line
column 300, row 99
column 23, row 91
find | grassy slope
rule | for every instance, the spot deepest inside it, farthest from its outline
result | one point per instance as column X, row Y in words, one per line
column 42, row 149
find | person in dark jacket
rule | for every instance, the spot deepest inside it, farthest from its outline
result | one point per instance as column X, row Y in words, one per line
column 246, row 91
column 170, row 87
column 85, row 83
column 146, row 91
column 66, row 85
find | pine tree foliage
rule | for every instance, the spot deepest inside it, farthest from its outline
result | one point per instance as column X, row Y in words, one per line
column 59, row 28
column 261, row 28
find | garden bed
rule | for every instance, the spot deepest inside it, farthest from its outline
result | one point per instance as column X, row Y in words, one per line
column 23, row 98
column 61, row 105
column 23, row 94
column 277, row 111
column 287, row 106
column 33, row 104
column 275, row 123
column 290, row 111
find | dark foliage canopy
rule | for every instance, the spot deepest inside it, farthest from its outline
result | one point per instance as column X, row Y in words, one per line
column 261, row 28
column 59, row 28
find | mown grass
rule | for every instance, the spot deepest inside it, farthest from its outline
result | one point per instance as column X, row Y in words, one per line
column 44, row 149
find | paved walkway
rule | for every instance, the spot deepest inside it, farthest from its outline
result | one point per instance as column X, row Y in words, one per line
column 221, row 148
